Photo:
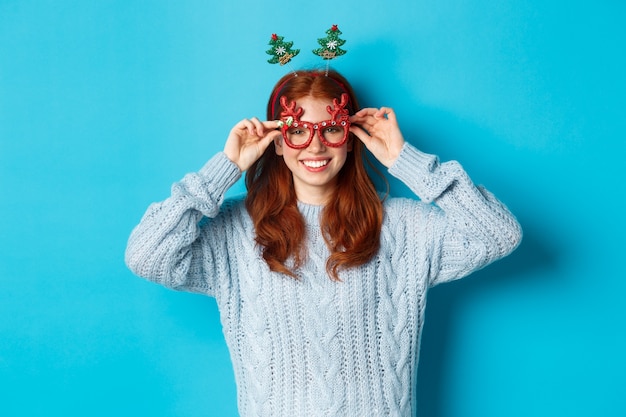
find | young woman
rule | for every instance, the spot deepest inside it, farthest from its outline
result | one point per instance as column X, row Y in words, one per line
column 321, row 282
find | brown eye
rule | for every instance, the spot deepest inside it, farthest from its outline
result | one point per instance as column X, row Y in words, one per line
column 297, row 131
column 334, row 134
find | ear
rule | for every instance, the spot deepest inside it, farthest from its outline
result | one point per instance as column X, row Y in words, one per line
column 278, row 145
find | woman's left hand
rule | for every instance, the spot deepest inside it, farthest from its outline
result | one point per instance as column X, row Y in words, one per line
column 378, row 129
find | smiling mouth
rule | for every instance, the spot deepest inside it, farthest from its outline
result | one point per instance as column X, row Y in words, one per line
column 316, row 164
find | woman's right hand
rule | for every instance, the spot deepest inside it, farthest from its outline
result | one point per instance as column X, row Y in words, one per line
column 248, row 139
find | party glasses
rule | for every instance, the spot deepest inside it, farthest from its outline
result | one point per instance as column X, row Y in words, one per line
column 298, row 134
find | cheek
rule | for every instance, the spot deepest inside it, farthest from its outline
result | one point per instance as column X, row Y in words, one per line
column 290, row 157
column 289, row 153
column 341, row 155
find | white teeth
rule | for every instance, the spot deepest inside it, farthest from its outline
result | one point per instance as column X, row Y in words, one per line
column 315, row 164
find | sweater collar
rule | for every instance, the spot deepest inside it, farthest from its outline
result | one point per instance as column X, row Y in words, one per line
column 310, row 212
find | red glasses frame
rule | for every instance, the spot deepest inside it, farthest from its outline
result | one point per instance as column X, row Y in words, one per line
column 339, row 117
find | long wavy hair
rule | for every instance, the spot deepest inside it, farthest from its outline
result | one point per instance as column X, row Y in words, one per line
column 350, row 222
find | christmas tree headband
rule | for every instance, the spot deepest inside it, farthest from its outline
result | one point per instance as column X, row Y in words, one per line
column 330, row 48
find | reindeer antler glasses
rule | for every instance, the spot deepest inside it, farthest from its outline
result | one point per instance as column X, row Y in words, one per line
column 298, row 134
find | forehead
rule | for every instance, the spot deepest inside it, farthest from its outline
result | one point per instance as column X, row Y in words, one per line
column 314, row 109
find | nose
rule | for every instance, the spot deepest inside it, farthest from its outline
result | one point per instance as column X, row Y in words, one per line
column 316, row 144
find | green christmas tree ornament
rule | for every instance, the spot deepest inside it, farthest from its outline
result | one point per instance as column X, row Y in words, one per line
column 281, row 51
column 331, row 44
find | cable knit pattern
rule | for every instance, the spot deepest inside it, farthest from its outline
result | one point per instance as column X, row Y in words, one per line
column 314, row 347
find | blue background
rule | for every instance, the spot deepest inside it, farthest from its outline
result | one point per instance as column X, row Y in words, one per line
column 103, row 104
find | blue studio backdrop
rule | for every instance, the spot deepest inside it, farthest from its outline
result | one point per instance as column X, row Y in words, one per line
column 103, row 104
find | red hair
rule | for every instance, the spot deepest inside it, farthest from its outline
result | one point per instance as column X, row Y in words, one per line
column 350, row 222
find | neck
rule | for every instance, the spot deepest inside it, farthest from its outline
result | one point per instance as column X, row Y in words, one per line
column 315, row 196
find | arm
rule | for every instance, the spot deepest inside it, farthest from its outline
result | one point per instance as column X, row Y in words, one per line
column 167, row 246
column 471, row 229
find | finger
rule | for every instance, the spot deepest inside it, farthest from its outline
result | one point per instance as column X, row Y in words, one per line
column 361, row 116
column 385, row 113
column 245, row 125
column 380, row 113
column 365, row 112
column 271, row 124
column 361, row 133
column 263, row 127
column 370, row 117
column 257, row 127
column 391, row 115
column 265, row 141
column 242, row 124
column 366, row 124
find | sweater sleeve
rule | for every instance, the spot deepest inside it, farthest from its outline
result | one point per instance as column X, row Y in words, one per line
column 469, row 227
column 165, row 247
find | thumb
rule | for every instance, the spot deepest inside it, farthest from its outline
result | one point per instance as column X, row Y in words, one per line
column 361, row 134
column 269, row 138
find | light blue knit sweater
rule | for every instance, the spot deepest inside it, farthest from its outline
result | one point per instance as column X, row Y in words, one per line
column 313, row 346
